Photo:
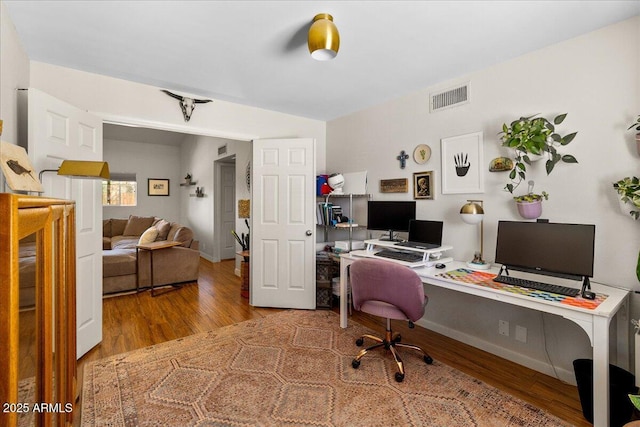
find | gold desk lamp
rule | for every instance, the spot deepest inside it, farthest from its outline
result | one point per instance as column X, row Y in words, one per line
column 473, row 213
column 81, row 169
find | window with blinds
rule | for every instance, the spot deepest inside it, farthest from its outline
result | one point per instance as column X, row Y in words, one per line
column 120, row 190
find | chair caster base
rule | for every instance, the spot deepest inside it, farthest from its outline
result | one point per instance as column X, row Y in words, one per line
column 359, row 342
column 355, row 364
column 428, row 360
column 399, row 377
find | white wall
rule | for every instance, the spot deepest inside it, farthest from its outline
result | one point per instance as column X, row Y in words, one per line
column 146, row 161
column 14, row 74
column 594, row 78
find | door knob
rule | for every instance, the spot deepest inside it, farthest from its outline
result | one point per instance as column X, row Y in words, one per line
column 308, row 233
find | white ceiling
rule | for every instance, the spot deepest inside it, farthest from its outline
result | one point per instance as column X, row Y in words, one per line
column 255, row 53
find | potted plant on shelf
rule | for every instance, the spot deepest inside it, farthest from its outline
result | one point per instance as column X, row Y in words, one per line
column 533, row 138
column 187, row 179
column 636, row 125
column 628, row 189
column 530, row 205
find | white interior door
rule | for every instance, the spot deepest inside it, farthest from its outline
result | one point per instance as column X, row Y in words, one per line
column 283, row 223
column 227, row 210
column 58, row 131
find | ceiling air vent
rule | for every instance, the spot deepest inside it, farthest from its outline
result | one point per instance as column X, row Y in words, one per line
column 449, row 98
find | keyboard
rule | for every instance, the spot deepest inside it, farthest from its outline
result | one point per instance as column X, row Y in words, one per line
column 401, row 256
column 539, row 286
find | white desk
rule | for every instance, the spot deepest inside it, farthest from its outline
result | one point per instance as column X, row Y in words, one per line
column 595, row 322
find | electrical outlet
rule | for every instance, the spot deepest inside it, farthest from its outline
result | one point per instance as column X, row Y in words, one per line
column 521, row 333
column 503, row 328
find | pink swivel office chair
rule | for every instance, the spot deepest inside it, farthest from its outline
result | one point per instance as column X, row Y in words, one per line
column 389, row 290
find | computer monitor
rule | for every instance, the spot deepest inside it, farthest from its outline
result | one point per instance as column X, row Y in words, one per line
column 391, row 216
column 554, row 249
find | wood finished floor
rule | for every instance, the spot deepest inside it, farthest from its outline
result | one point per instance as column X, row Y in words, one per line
column 135, row 321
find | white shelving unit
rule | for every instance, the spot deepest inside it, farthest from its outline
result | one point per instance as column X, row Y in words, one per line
column 329, row 228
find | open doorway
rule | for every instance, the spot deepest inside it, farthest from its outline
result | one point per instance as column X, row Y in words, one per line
column 196, row 154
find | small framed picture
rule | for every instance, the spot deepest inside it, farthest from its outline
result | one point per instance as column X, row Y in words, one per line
column 423, row 185
column 158, row 187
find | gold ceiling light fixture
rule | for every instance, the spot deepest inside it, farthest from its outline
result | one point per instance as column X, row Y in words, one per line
column 324, row 39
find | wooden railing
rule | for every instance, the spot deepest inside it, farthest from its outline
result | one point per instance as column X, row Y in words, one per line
column 53, row 222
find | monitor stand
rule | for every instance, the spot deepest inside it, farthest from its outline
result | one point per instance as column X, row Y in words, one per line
column 391, row 238
column 586, row 289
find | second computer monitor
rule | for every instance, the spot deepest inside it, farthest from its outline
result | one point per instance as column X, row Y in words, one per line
column 391, row 216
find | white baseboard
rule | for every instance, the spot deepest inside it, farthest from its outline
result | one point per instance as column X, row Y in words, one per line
column 207, row 257
column 519, row 358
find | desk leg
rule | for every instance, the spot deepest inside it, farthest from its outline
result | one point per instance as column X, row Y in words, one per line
column 600, row 371
column 344, row 278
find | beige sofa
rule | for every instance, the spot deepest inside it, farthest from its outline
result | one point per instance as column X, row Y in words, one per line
column 173, row 265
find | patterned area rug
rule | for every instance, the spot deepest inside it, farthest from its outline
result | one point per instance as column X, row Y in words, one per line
column 290, row 368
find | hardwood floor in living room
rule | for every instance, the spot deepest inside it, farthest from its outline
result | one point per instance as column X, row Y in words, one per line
column 138, row 320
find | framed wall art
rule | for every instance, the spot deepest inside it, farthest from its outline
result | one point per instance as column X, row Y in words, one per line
column 17, row 168
column 398, row 185
column 462, row 164
column 158, row 187
column 423, row 185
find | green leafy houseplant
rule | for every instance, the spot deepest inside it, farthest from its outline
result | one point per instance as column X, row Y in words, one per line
column 530, row 136
column 628, row 189
column 243, row 239
column 531, row 197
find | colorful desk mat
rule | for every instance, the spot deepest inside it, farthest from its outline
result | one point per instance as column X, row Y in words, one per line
column 483, row 278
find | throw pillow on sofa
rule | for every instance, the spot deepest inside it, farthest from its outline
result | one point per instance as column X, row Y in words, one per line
column 148, row 236
column 163, row 228
column 117, row 226
column 181, row 234
column 137, row 225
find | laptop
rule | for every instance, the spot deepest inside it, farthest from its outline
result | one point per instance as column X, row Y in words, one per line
column 423, row 234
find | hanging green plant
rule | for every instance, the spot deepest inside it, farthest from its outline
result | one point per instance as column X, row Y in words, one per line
column 534, row 136
column 628, row 189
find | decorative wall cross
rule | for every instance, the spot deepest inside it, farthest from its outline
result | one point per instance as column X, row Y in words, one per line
column 403, row 159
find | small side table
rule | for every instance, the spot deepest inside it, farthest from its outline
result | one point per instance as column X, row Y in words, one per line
column 151, row 247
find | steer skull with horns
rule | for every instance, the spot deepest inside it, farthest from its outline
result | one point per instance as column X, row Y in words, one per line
column 186, row 104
